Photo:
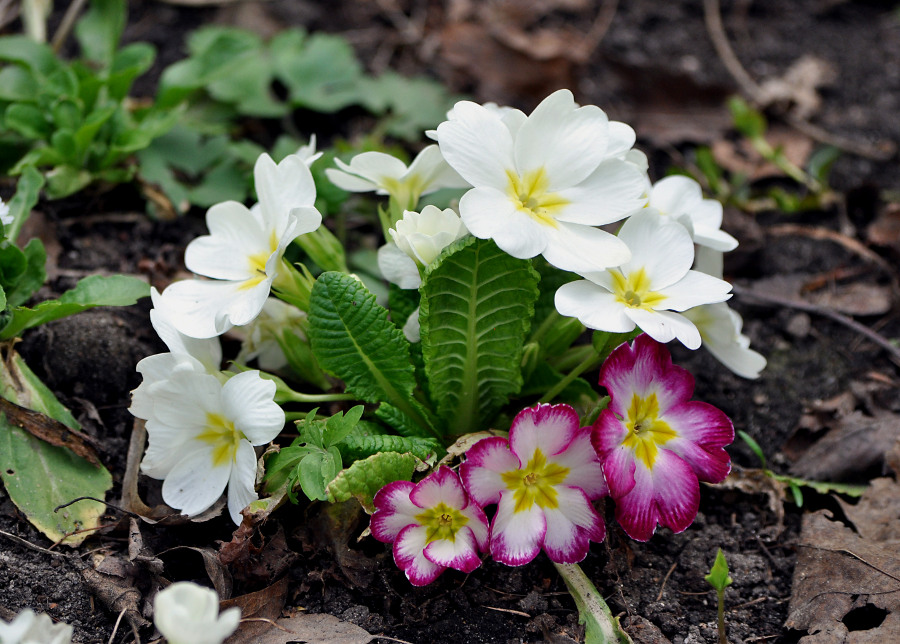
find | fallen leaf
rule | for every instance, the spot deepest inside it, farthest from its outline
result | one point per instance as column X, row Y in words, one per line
column 49, row 430
column 319, row 628
column 885, row 229
column 218, row 574
column 796, row 91
column 259, row 611
column 856, row 298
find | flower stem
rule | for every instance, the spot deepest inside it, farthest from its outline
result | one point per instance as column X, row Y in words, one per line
column 600, row 625
column 723, row 637
column 592, row 360
column 296, row 396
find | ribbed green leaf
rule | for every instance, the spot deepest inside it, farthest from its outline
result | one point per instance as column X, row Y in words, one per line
column 476, row 309
column 352, row 339
column 368, row 438
column 364, row 478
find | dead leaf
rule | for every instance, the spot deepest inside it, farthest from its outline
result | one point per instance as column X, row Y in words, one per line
column 113, row 584
column 877, row 514
column 49, row 430
column 856, row 298
column 259, row 611
column 756, row 481
column 333, row 528
column 796, row 91
column 885, row 229
column 843, row 578
column 319, row 628
column 463, row 444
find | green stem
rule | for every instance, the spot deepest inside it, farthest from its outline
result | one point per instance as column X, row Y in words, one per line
column 723, row 638
column 591, row 360
column 545, row 326
column 296, row 396
column 572, row 357
column 600, row 625
column 797, row 174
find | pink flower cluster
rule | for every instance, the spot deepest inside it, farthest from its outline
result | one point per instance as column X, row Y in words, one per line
column 648, row 450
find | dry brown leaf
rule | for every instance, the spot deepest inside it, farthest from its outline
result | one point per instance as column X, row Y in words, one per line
column 319, row 628
column 856, row 298
column 259, row 611
column 756, row 481
column 797, row 88
column 885, row 229
column 49, row 430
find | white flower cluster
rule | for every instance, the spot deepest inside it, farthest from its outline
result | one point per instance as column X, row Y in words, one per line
column 29, row 628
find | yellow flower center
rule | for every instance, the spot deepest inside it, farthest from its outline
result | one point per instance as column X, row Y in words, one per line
column 634, row 291
column 224, row 438
column 257, row 264
column 531, row 195
column 441, row 522
column 646, row 432
column 536, row 483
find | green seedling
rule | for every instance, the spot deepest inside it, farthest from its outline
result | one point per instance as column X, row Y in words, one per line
column 793, row 483
column 719, row 579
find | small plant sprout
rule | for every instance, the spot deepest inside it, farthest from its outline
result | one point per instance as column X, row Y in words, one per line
column 29, row 628
column 187, row 613
column 541, row 187
column 433, row 525
column 655, row 443
column 543, row 480
column 650, row 289
column 719, row 579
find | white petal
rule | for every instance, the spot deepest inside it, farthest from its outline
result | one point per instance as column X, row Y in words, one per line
column 566, row 141
column 234, row 236
column 397, row 267
column 194, row 484
column 206, row 308
column 660, row 246
column 185, row 399
column 249, row 403
column 349, row 182
column 282, row 187
column 694, row 289
column 489, row 214
column 621, row 139
column 434, row 171
column 477, row 145
column 375, row 166
column 664, row 326
column 165, row 449
column 676, row 195
column 207, row 351
column 714, row 238
column 583, row 249
column 594, row 306
column 242, row 481
column 615, row 189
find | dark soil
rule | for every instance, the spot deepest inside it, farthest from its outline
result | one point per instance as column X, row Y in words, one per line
column 655, row 67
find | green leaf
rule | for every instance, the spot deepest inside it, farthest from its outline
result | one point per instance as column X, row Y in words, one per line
column 128, row 63
column 28, row 120
column 65, row 180
column 28, row 189
column 718, row 576
column 96, row 290
column 476, row 309
column 316, row 470
column 747, row 120
column 100, row 30
column 367, row 439
column 320, row 71
column 820, row 162
column 339, row 425
column 412, row 104
column 364, row 478
column 17, row 84
column 352, row 339
column 32, row 277
column 754, row 446
column 40, row 477
column 37, row 57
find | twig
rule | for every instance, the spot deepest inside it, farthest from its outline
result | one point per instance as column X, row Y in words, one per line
column 116, row 626
column 850, row 323
column 666, row 579
column 508, row 610
column 30, row 545
column 596, row 33
column 65, row 26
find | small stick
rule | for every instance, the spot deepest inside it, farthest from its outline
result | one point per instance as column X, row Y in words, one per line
column 665, row 579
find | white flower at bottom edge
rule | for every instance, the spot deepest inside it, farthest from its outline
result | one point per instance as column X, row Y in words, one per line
column 648, row 291
column 29, row 628
column 201, row 437
column 186, row 613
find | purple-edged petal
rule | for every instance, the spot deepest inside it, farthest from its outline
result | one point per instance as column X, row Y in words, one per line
column 669, row 495
column 607, row 433
column 703, row 431
column 441, row 486
column 516, row 537
column 571, row 527
column 619, row 466
column 549, row 428
column 584, row 467
column 459, row 553
column 409, row 556
column 478, row 525
column 485, row 461
column 393, row 511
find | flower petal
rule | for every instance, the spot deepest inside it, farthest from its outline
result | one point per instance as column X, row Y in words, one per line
column 234, row 235
column 485, row 461
column 490, row 214
column 593, row 306
column 434, row 172
column 248, row 401
column 282, row 188
column 612, row 191
column 619, row 466
column 393, row 511
column 242, row 481
column 585, row 471
column 441, row 486
column 582, row 249
column 676, row 195
column 659, row 245
column 478, row 145
column 208, row 308
column 193, row 485
column 703, row 431
column 695, row 289
column 516, row 537
column 397, row 267
column 409, row 556
column 548, row 428
column 571, row 526
column 664, row 326
column 459, row 553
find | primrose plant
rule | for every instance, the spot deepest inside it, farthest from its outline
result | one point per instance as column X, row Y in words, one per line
column 475, row 354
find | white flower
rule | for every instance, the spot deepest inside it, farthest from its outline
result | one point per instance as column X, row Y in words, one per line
column 647, row 290
column 186, row 613
column 243, row 252
column 720, row 326
column 28, row 628
column 201, row 437
column 201, row 355
column 682, row 199
column 542, row 182
column 261, row 335
column 5, row 218
column 505, row 113
column 307, row 153
column 388, row 175
column 418, row 240
column 411, row 328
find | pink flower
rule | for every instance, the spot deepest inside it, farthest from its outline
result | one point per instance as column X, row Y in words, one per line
column 543, row 480
column 655, row 443
column 432, row 525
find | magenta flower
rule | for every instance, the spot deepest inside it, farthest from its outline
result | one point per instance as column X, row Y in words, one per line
column 543, row 480
column 655, row 443
column 432, row 525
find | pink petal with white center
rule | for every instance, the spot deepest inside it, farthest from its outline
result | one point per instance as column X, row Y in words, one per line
column 248, row 400
column 659, row 245
column 516, row 537
column 571, row 527
column 607, row 434
column 242, row 481
column 207, row 308
column 478, row 524
column 619, row 465
column 614, row 190
column 594, row 306
column 485, row 461
column 283, row 187
column 477, row 145
column 676, row 195
column 644, row 367
column 585, row 470
column 409, row 555
column 459, row 553
column 665, row 326
column 549, row 428
column 441, row 486
column 695, row 289
column 393, row 511
column 580, row 249
column 566, row 141
column 622, row 138
column 669, row 495
column 489, row 213
column 703, row 431
column 234, row 236
column 193, row 485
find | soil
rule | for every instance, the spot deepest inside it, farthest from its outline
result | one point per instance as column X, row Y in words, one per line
column 655, row 68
